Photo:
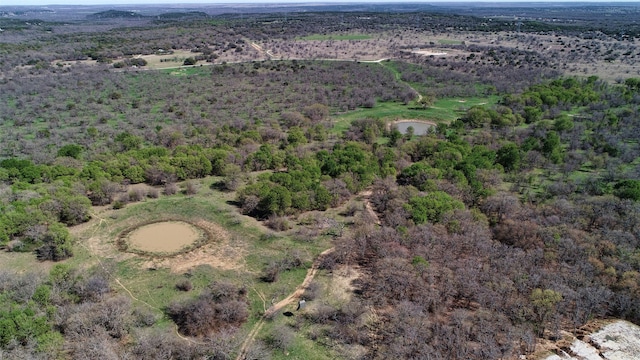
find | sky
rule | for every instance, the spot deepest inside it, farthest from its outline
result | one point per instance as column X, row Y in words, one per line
column 133, row 2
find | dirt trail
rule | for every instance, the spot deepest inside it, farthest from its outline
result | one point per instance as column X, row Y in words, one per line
column 311, row 273
column 261, row 50
column 368, row 207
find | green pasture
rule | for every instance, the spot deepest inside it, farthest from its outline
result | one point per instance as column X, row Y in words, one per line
column 449, row 42
column 443, row 110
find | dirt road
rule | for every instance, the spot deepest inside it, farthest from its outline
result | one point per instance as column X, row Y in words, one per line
column 311, row 273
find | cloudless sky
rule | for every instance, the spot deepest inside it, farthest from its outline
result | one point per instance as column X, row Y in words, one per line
column 133, row 2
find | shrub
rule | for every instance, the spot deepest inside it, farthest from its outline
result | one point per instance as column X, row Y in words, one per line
column 170, row 189
column 281, row 337
column 119, row 204
column 153, row 193
column 191, row 188
column 184, row 285
column 136, row 195
column 271, row 272
column 278, row 223
column 222, row 305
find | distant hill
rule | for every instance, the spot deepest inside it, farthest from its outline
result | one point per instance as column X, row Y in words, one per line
column 128, row 14
column 115, row 14
column 183, row 15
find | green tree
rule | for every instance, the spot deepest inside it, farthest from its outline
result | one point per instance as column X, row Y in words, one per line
column 509, row 157
column 135, row 173
column 532, row 114
column 394, row 136
column 563, row 123
column 432, row 206
column 420, row 175
column 476, row 117
column 276, row 201
column 544, row 304
column 56, row 243
column 128, row 141
column 552, row 147
column 296, row 136
column 409, row 133
column 426, row 101
column 628, row 189
column 70, row 150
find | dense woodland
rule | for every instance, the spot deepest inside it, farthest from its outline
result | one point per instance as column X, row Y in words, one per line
column 516, row 220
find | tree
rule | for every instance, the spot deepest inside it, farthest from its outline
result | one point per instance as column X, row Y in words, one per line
column 628, row 189
column 563, row 123
column 189, row 61
column 426, row 101
column 409, row 133
column 316, row 112
column 70, row 150
column 509, row 157
column 296, row 136
column 544, row 305
column 276, row 201
column 532, row 114
column 56, row 244
column 128, row 141
column 394, row 136
column 552, row 147
column 420, row 175
column 432, row 206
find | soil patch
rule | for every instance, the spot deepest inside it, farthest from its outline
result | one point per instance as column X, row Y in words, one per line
column 429, row 52
column 163, row 238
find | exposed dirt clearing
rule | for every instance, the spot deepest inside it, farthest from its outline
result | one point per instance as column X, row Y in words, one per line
column 618, row 340
column 163, row 237
column 368, row 207
column 429, row 53
column 341, row 286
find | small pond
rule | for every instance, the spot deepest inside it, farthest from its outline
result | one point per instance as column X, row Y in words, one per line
column 163, row 237
column 419, row 127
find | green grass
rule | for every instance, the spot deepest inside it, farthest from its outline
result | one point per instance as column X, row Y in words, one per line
column 443, row 110
column 452, row 108
column 335, row 37
column 386, row 111
column 188, row 71
column 449, row 42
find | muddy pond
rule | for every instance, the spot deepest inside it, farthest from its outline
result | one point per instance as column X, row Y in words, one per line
column 163, row 237
column 419, row 127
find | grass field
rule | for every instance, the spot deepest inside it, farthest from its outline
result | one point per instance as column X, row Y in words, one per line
column 169, row 60
column 443, row 110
